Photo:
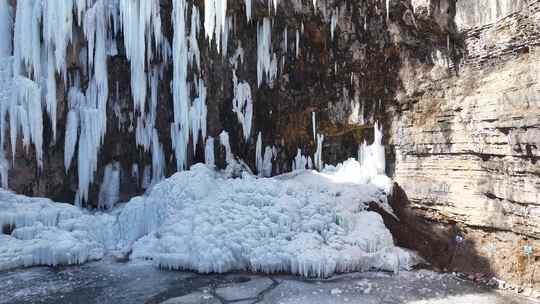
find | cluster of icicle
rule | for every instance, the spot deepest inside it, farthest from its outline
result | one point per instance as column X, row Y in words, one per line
column 373, row 156
column 302, row 162
column 35, row 54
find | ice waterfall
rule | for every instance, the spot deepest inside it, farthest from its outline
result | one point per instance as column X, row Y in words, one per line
column 36, row 57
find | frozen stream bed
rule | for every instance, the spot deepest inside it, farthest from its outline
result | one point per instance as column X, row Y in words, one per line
column 139, row 282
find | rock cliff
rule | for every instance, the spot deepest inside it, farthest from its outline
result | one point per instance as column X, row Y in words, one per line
column 465, row 136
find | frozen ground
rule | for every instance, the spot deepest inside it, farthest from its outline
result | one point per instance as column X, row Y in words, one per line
column 106, row 282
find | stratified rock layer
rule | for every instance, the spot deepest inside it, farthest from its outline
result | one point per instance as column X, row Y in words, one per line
column 466, row 136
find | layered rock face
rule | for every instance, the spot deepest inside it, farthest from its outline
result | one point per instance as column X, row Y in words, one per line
column 465, row 134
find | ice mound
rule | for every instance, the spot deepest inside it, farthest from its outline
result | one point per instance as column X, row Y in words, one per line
column 46, row 233
column 306, row 223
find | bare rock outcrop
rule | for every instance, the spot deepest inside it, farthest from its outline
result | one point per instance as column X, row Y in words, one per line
column 465, row 135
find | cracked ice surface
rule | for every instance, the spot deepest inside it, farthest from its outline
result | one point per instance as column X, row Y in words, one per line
column 246, row 290
column 307, row 223
column 108, row 282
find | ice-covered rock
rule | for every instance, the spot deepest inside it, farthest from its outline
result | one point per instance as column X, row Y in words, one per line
column 305, row 222
column 47, row 233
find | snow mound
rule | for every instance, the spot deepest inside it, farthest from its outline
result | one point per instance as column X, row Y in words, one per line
column 305, row 222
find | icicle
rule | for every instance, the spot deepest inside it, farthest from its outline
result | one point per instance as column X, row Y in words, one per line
column 209, row 152
column 179, row 143
column 180, row 126
column 378, row 149
column 313, row 126
column 6, row 68
column 243, row 105
column 372, row 157
column 109, row 192
column 81, row 6
column 198, row 114
column 266, row 60
column 297, row 44
column 112, row 45
column 248, row 9
column 57, row 32
column 89, row 143
column 141, row 24
column 224, row 141
column 77, row 200
column 365, row 23
column 92, row 114
column 333, row 22
column 27, row 39
column 272, row 4
column 135, row 171
column 258, row 155
column 285, row 41
column 186, row 117
column 209, row 19
column 145, row 125
column 300, row 162
column 388, row 10
column 238, row 56
column 25, row 107
column 362, row 109
column 6, row 25
column 147, row 177
column 225, row 36
column 95, row 30
column 215, row 18
column 50, row 97
column 318, row 154
column 72, row 126
column 25, row 112
column 92, row 120
column 158, row 159
column 267, row 162
column 4, row 170
column 194, row 52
